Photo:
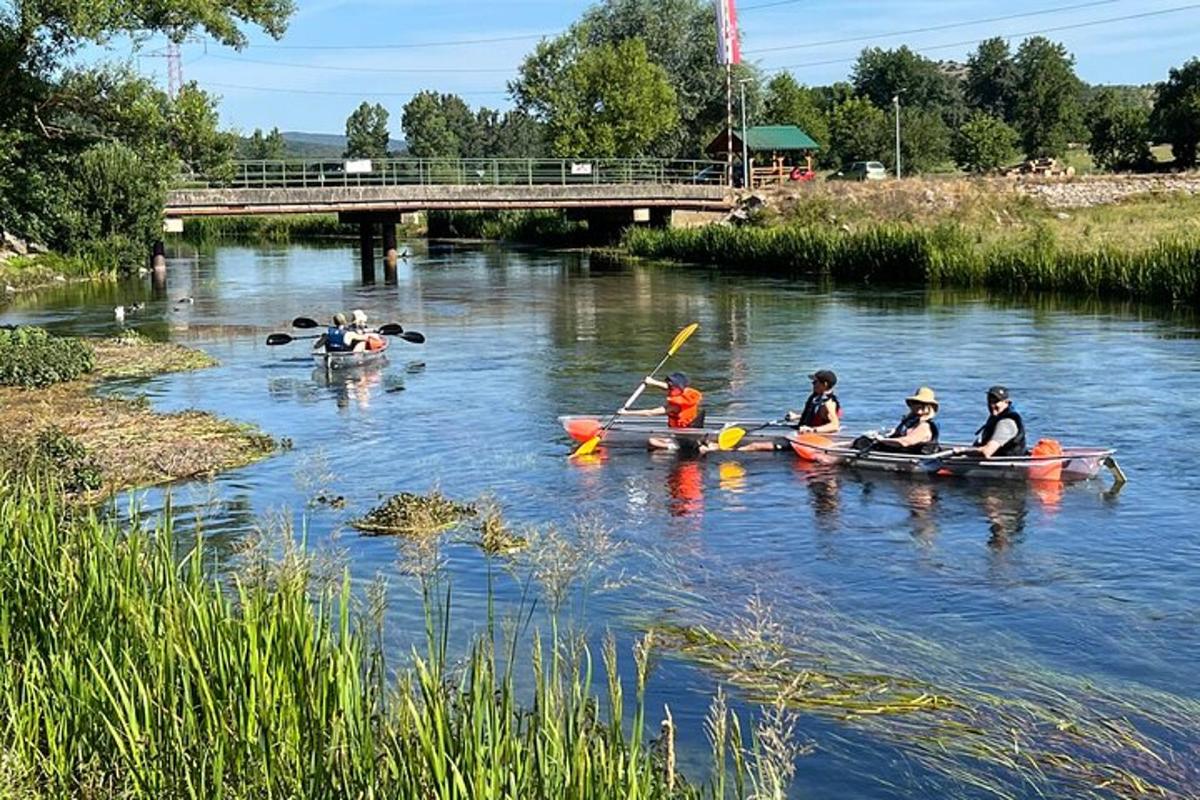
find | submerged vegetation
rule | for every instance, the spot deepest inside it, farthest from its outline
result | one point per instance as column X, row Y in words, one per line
column 1045, row 733
column 411, row 514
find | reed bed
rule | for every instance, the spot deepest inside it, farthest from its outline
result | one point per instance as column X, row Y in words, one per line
column 129, row 671
column 273, row 228
column 943, row 255
column 1030, row 732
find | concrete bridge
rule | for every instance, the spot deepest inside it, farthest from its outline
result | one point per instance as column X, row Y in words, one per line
column 609, row 193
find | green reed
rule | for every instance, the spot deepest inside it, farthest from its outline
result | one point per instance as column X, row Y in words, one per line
column 129, row 671
column 274, row 228
column 946, row 254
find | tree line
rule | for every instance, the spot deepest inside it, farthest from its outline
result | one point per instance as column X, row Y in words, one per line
column 87, row 152
column 632, row 78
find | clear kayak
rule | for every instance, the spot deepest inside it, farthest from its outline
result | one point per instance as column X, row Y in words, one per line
column 1064, row 464
column 327, row 360
column 1067, row 464
column 637, row 431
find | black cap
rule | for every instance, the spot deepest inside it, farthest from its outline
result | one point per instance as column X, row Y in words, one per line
column 998, row 393
column 825, row 376
column 677, row 379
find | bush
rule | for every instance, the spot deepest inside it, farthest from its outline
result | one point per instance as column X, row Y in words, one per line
column 31, row 357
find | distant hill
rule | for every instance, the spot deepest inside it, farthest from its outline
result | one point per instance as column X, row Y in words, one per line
column 323, row 145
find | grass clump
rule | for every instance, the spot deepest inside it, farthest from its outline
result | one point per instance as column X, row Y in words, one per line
column 126, row 671
column 31, row 357
column 410, row 514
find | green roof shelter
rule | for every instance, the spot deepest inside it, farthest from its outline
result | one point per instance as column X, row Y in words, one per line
column 784, row 143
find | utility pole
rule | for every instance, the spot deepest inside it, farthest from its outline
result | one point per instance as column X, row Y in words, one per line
column 174, row 70
column 896, row 106
column 745, row 146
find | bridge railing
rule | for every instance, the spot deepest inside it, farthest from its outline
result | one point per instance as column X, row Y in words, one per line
column 313, row 174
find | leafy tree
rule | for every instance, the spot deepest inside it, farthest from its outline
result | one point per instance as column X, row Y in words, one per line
column 680, row 36
column 924, row 141
column 984, row 143
column 1176, row 115
column 789, row 103
column 443, row 126
column 520, row 136
column 1048, row 109
column 613, row 102
column 991, row 81
column 367, row 132
column 1120, row 131
column 880, row 74
column 859, row 131
column 264, row 148
column 195, row 139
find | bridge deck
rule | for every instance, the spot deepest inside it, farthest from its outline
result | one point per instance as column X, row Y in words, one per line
column 400, row 185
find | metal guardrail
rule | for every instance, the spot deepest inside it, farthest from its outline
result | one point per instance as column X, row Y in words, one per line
column 315, row 174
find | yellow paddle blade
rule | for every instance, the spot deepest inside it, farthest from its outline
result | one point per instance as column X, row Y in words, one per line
column 682, row 337
column 729, row 438
column 587, row 448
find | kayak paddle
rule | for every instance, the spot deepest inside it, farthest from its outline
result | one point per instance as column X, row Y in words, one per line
column 283, row 338
column 730, row 437
column 305, row 322
column 591, row 444
column 391, row 329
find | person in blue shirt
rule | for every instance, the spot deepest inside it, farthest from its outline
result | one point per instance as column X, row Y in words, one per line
column 341, row 339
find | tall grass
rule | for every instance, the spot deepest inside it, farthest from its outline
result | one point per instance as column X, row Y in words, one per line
column 126, row 671
column 274, row 228
column 943, row 255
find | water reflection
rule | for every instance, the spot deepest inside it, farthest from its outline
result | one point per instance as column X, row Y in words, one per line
column 352, row 387
column 685, row 484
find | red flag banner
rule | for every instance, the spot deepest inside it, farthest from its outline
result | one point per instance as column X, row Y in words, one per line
column 729, row 49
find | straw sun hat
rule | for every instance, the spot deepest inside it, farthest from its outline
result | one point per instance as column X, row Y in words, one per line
column 923, row 395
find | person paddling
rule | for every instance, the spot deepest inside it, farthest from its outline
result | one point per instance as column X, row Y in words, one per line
column 822, row 412
column 682, row 409
column 339, row 338
column 1003, row 434
column 358, row 325
column 916, row 432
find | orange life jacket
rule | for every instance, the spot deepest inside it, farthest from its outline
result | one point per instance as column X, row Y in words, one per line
column 683, row 406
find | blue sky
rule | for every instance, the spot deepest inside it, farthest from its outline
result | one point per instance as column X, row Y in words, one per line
column 289, row 85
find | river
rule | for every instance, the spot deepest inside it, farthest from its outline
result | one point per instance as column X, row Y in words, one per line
column 966, row 584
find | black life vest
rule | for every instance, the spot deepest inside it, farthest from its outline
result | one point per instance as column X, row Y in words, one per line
column 1016, row 445
column 912, row 421
column 815, row 406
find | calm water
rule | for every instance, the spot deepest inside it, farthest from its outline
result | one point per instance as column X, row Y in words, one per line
column 943, row 581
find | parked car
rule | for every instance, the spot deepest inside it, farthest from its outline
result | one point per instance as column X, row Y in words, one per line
column 861, row 171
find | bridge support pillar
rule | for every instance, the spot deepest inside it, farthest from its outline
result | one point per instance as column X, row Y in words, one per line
column 158, row 267
column 366, row 250
column 390, row 254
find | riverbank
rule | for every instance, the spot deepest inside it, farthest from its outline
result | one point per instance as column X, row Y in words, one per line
column 101, row 445
column 275, row 228
column 27, row 272
column 961, row 235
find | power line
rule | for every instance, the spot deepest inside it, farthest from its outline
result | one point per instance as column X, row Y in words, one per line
column 408, row 45
column 969, row 42
column 333, row 68
column 359, row 95
column 933, row 28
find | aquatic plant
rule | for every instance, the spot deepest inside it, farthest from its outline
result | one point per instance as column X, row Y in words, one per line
column 127, row 671
column 1045, row 733
column 945, row 254
column 412, row 514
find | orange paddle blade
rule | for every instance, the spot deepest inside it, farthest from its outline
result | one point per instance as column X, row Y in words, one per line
column 582, row 429
column 807, row 452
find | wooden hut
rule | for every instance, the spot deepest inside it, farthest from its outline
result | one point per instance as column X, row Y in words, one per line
column 778, row 153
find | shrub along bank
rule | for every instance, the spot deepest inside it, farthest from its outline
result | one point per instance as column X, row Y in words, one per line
column 942, row 255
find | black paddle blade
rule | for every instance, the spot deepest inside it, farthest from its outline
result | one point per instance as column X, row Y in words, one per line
column 413, row 336
column 279, row 338
column 305, row 322
column 391, row 329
